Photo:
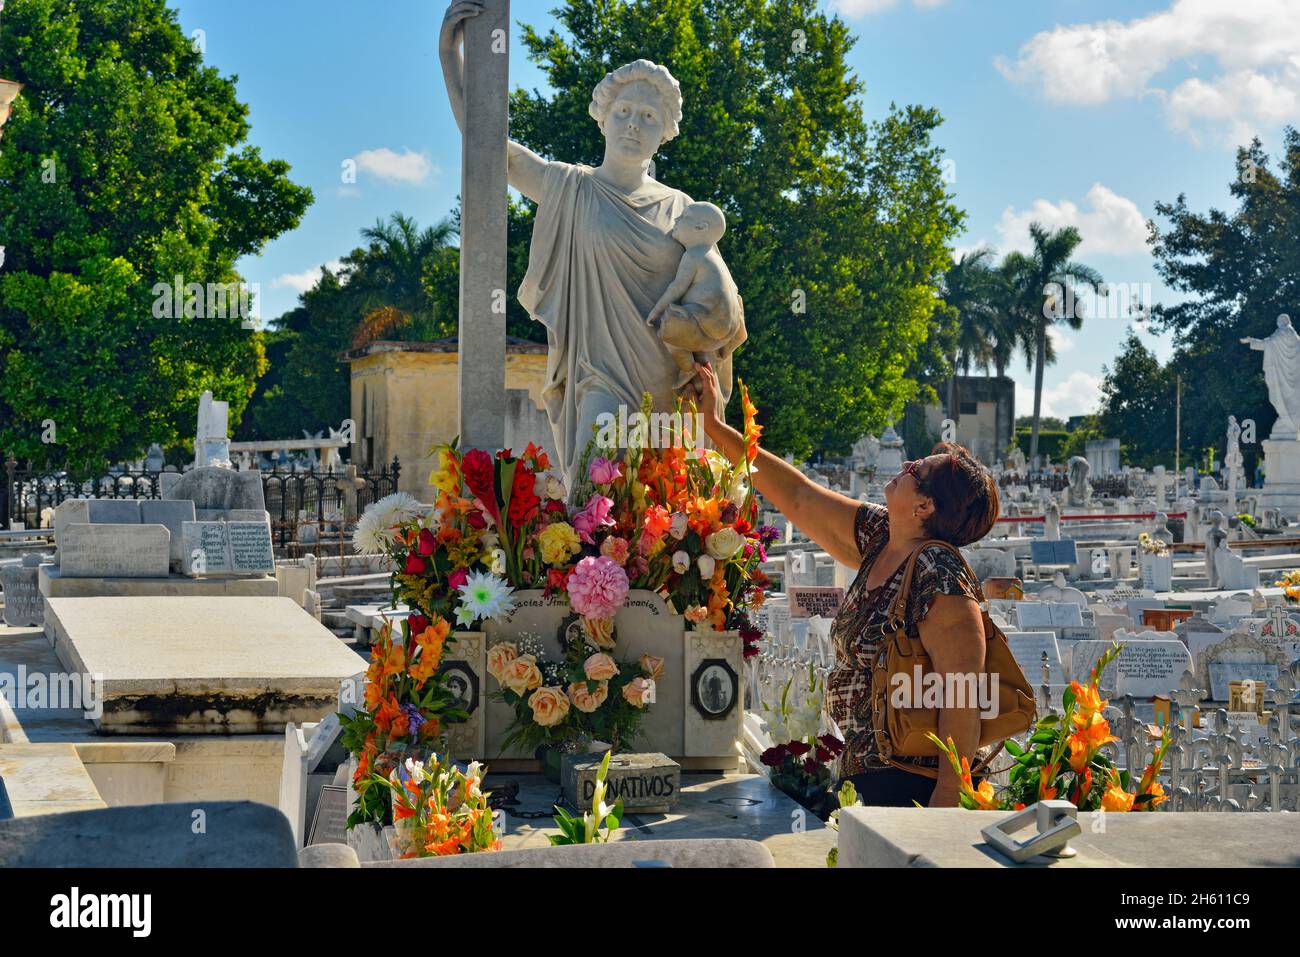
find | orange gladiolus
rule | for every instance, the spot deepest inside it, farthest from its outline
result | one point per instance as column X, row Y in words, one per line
column 1116, row 799
column 704, row 515
column 752, row 429
column 1087, row 702
column 1158, row 797
column 394, row 661
column 1095, row 732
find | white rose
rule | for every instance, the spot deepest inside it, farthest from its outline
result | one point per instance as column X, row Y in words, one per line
column 706, row 565
column 681, row 562
column 678, row 528
column 554, row 487
column 724, row 543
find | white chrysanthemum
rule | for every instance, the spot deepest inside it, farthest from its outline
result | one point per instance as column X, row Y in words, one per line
column 485, row 596
column 374, row 529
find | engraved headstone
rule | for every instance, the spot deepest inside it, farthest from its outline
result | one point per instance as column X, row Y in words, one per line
column 206, row 547
column 807, row 601
column 24, row 605
column 1028, row 646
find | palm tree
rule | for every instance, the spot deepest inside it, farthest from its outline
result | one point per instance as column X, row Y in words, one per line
column 389, row 275
column 970, row 287
column 1045, row 286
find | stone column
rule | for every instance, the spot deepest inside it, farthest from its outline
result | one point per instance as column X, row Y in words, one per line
column 482, row 355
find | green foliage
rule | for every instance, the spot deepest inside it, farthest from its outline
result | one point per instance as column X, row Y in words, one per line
column 124, row 165
column 1052, row 444
column 1240, row 270
column 1137, row 404
column 852, row 213
column 404, row 272
column 586, row 830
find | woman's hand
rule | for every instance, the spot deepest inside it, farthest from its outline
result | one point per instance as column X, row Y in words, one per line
column 707, row 396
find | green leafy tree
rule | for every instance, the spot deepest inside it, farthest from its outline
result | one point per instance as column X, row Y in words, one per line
column 1137, row 404
column 838, row 228
column 1042, row 283
column 1241, row 270
column 123, row 166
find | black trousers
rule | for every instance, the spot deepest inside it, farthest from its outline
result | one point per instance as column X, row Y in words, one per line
column 891, row 787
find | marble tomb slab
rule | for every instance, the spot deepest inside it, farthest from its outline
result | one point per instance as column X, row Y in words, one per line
column 114, row 551
column 201, row 665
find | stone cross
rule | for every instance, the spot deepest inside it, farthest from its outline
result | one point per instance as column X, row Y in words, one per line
column 482, row 349
column 1279, row 618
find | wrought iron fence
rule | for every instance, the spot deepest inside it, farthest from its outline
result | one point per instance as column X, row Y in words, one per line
column 309, row 510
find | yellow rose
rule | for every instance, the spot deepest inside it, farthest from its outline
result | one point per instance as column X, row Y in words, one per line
column 499, row 657
column 724, row 543
column 549, row 706
column 588, row 701
column 639, row 692
column 522, row 675
column 600, row 631
column 559, row 543
column 652, row 666
column 599, row 667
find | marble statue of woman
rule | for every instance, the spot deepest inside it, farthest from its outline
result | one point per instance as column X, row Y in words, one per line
column 1282, row 375
column 602, row 251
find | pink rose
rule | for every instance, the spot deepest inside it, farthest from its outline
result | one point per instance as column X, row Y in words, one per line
column 594, row 515
column 603, row 471
column 615, row 548
column 599, row 667
column 457, row 578
column 597, row 587
column 639, row 692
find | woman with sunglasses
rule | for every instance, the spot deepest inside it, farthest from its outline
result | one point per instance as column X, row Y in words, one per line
column 947, row 495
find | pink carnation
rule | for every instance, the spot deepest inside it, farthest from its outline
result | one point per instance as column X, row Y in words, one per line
column 597, row 587
column 603, row 471
column 594, row 515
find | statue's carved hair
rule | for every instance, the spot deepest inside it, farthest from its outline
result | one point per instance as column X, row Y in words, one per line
column 640, row 71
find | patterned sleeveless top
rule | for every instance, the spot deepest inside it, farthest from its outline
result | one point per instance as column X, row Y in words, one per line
column 860, row 626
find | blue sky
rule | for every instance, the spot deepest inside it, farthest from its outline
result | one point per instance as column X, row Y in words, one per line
column 1085, row 112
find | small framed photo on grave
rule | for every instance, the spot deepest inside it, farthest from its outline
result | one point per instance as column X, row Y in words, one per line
column 715, row 687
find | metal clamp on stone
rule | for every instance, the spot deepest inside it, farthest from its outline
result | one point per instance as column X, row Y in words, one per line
column 1057, row 822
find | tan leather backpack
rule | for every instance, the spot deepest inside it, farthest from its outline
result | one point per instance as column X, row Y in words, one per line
column 901, row 731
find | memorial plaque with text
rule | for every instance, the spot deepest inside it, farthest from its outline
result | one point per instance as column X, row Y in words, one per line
column 809, row 601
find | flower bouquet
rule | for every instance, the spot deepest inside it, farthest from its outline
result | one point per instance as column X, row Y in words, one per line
column 1290, row 585
column 666, row 518
column 1065, row 759
column 438, row 809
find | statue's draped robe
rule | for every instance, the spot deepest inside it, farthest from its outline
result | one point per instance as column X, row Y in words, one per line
column 599, row 261
column 1282, row 374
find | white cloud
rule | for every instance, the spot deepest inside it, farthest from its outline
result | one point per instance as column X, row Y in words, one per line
column 1111, row 223
column 1256, row 46
column 862, row 8
column 1061, row 342
column 1078, row 394
column 405, row 167
column 300, row 282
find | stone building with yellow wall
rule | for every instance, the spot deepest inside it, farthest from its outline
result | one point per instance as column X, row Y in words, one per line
column 405, row 401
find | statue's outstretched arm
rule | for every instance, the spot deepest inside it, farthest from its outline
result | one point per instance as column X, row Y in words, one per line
column 524, row 168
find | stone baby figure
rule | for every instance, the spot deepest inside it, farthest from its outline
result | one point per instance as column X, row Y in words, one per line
column 700, row 316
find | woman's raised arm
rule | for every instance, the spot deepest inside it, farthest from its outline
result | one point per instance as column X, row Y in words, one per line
column 524, row 168
column 824, row 516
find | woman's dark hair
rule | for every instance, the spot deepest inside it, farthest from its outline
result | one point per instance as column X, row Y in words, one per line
column 965, row 497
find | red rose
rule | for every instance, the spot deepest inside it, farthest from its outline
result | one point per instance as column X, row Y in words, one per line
column 426, row 542
column 414, row 564
column 480, row 474
column 476, row 519
column 417, row 624
column 798, row 748
column 523, row 501
column 810, row 766
column 823, row 755
column 773, row 757
column 831, row 743
column 555, row 505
